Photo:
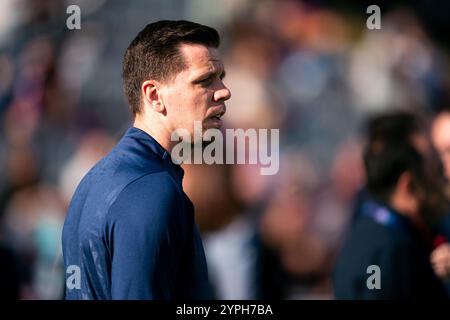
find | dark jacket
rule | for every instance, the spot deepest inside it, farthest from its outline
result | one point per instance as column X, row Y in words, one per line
column 382, row 237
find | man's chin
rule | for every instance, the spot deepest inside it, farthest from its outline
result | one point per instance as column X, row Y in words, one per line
column 201, row 142
column 212, row 124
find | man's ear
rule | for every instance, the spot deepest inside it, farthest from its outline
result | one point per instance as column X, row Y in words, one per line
column 404, row 199
column 405, row 183
column 151, row 94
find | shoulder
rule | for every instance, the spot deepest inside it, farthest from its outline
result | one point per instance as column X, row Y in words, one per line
column 151, row 185
column 368, row 231
column 150, row 207
column 154, row 195
column 367, row 237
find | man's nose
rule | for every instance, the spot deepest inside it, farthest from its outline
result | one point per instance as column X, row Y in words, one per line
column 222, row 93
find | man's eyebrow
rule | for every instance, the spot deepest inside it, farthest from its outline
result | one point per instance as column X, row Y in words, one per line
column 221, row 72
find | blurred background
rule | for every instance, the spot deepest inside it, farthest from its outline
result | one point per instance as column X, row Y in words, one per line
column 310, row 68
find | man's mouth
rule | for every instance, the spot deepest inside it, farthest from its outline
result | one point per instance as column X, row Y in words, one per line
column 218, row 116
column 215, row 120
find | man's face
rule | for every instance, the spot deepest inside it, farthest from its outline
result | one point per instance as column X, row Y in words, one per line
column 197, row 93
column 440, row 134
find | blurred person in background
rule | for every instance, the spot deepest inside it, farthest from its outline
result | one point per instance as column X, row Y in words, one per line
column 440, row 259
column 227, row 229
column 32, row 215
column 287, row 229
column 130, row 228
column 440, row 134
column 33, row 218
column 393, row 228
column 10, row 268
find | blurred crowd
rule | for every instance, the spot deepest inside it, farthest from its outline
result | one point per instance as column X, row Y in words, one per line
column 314, row 72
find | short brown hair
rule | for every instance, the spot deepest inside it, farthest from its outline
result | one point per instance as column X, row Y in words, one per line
column 154, row 54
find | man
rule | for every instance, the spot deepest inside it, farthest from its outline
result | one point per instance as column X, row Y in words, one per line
column 440, row 134
column 130, row 230
column 386, row 253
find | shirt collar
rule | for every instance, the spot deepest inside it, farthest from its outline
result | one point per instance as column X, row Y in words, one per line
column 148, row 140
column 154, row 146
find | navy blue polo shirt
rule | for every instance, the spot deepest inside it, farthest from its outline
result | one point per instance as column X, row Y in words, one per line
column 130, row 231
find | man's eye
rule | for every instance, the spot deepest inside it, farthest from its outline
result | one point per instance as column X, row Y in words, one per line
column 206, row 82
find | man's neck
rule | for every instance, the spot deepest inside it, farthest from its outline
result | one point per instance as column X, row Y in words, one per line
column 159, row 133
column 406, row 211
